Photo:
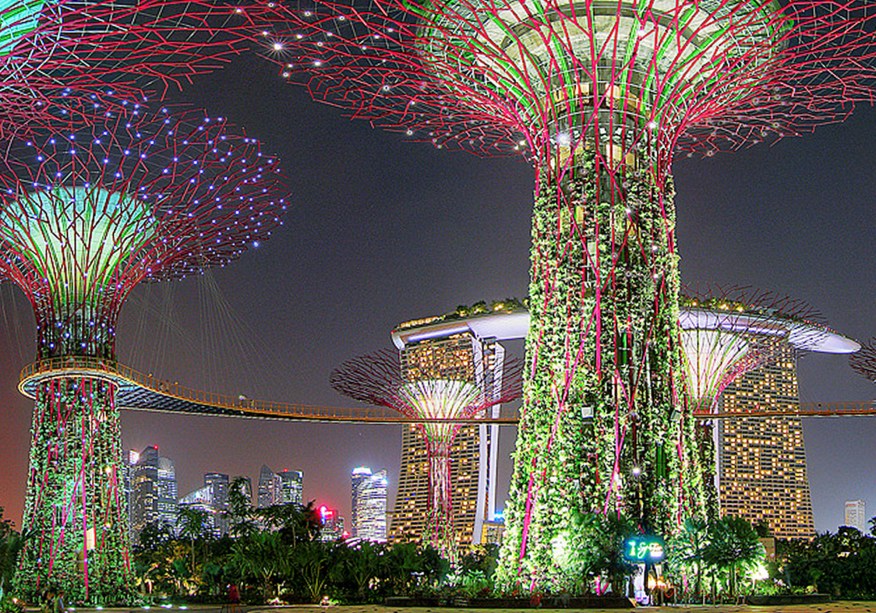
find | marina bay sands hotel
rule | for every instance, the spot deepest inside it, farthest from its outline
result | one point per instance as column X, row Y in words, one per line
column 760, row 461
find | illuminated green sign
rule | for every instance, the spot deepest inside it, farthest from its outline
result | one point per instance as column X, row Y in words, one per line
column 644, row 548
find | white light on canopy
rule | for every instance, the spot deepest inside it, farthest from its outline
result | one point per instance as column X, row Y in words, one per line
column 440, row 399
column 713, row 359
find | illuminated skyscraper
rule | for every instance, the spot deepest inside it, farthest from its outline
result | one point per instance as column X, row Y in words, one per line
column 270, row 488
column 153, row 491
column 332, row 524
column 369, row 504
column 856, row 515
column 761, row 460
column 291, row 486
column 459, row 351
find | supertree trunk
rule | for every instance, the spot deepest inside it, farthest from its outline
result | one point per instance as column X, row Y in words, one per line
column 601, row 428
column 439, row 528
column 75, row 510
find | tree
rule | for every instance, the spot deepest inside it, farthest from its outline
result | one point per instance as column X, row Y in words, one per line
column 295, row 523
column 355, row 569
column 263, row 556
column 193, row 526
column 240, row 511
column 733, row 545
column 10, row 545
column 687, row 549
column 310, row 561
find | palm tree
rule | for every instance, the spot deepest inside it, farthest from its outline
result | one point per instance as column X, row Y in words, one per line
column 192, row 525
column 733, row 545
column 262, row 555
column 687, row 549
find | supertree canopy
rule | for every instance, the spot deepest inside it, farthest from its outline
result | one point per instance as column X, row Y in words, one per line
column 65, row 58
column 864, row 362
column 85, row 215
column 437, row 396
column 727, row 333
column 599, row 95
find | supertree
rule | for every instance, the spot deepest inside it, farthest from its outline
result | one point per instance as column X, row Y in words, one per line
column 726, row 333
column 62, row 59
column 600, row 95
column 85, row 216
column 437, row 395
column 864, row 362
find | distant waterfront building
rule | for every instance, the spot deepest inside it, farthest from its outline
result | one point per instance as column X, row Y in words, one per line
column 270, row 488
column 291, row 487
column 856, row 515
column 245, row 486
column 131, row 459
column 153, row 491
column 218, row 484
column 332, row 525
column 761, row 460
column 202, row 500
column 493, row 532
column 212, row 498
column 369, row 504
column 459, row 352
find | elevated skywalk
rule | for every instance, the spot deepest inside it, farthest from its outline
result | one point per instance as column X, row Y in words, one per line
column 143, row 392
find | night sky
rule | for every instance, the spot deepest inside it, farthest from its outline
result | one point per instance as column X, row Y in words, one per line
column 382, row 231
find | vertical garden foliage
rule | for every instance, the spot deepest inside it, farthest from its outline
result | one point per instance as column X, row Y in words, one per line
column 603, row 428
column 75, row 503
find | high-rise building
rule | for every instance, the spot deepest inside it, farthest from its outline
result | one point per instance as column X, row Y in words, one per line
column 212, row 498
column 218, row 484
column 153, row 491
column 856, row 515
column 761, row 469
column 202, row 500
column 270, row 488
column 291, row 487
column 369, row 504
column 131, row 459
column 332, row 524
column 460, row 354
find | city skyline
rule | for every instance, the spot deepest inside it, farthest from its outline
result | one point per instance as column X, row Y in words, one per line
column 344, row 272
